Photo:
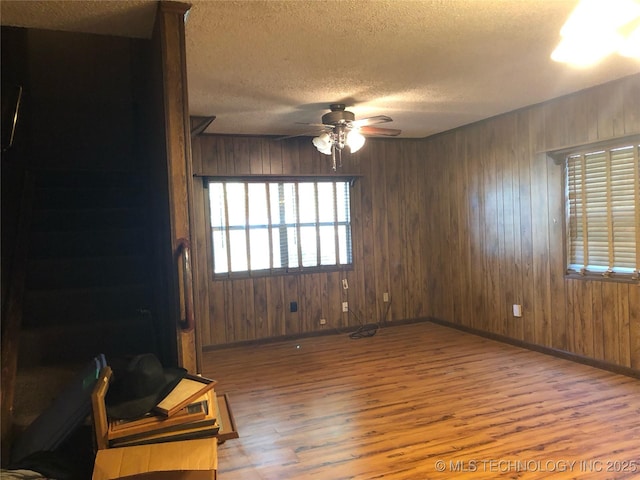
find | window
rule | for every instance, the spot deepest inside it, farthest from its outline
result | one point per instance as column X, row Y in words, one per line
column 279, row 226
column 603, row 216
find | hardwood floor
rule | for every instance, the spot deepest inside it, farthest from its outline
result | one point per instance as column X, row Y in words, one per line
column 419, row 398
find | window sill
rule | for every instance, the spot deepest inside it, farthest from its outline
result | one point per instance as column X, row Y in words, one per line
column 599, row 277
column 282, row 272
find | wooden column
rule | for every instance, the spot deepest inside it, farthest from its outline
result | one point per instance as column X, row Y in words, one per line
column 170, row 23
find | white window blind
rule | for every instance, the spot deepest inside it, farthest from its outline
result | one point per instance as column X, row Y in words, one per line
column 275, row 227
column 603, row 216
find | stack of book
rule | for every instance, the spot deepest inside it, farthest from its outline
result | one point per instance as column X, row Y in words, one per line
column 189, row 411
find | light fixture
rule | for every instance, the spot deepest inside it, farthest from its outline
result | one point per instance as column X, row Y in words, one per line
column 323, row 143
column 631, row 46
column 355, row 140
column 596, row 29
column 333, row 142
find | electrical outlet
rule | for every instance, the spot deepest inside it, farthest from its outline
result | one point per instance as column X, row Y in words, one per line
column 345, row 306
column 517, row 310
column 323, row 321
column 385, row 297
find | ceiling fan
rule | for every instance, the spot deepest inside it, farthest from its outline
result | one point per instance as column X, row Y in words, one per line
column 341, row 129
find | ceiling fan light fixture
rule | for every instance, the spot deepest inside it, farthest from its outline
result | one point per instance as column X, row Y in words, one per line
column 326, row 151
column 594, row 16
column 355, row 140
column 597, row 29
column 343, row 130
column 586, row 51
column 323, row 143
column 631, row 46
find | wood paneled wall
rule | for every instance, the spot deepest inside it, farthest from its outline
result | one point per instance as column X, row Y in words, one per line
column 459, row 226
column 387, row 252
column 496, row 202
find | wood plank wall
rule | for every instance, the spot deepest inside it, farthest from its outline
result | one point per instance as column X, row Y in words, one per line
column 498, row 236
column 387, row 251
column 458, row 226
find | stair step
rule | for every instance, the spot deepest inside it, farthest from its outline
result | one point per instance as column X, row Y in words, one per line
column 90, row 197
column 38, row 386
column 89, row 243
column 83, row 305
column 89, row 178
column 58, row 273
column 47, row 220
column 61, row 344
column 87, row 280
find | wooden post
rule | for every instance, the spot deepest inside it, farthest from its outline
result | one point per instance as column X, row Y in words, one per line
column 170, row 22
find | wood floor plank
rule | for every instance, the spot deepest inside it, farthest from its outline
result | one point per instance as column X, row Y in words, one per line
column 393, row 405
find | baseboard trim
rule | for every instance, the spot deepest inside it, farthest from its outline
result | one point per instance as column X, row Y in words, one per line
column 317, row 333
column 574, row 357
column 281, row 338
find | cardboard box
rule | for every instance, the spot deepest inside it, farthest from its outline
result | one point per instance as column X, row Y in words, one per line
column 183, row 460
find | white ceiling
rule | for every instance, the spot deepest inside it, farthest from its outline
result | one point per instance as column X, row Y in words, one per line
column 432, row 65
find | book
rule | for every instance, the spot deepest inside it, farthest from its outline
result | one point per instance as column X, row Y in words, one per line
column 188, row 389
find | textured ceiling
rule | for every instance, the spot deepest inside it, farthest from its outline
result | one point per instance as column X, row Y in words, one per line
column 432, row 65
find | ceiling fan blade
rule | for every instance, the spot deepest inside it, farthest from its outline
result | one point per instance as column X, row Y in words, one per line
column 386, row 132
column 310, row 133
column 321, row 125
column 372, row 120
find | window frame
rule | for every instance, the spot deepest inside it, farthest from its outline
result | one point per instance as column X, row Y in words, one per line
column 273, row 272
column 562, row 157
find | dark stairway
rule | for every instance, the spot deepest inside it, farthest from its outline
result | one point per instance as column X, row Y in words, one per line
column 88, row 288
